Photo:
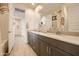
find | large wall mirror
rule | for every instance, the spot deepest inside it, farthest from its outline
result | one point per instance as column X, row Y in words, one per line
column 68, row 19
column 71, row 24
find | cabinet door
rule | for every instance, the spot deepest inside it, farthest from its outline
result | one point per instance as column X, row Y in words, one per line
column 36, row 44
column 57, row 52
column 28, row 37
column 43, row 48
column 33, row 41
column 30, row 41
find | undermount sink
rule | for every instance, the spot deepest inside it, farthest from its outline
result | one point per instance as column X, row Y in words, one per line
column 55, row 33
column 49, row 33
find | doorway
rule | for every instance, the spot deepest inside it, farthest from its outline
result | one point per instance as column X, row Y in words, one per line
column 17, row 27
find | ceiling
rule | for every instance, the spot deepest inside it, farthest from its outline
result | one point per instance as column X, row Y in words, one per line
column 48, row 8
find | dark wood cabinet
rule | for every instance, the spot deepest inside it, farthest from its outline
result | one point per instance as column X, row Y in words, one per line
column 30, row 41
column 33, row 42
column 43, row 50
column 48, row 50
column 57, row 52
column 44, row 46
column 36, row 44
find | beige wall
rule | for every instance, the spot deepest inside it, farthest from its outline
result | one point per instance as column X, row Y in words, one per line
column 4, row 18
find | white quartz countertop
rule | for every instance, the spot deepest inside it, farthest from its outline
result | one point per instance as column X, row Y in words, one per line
column 65, row 38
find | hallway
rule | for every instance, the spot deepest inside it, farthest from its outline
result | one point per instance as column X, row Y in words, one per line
column 21, row 48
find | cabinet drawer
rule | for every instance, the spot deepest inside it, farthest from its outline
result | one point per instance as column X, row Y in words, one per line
column 43, row 50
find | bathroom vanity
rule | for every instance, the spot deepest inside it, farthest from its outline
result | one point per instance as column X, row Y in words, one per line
column 51, row 44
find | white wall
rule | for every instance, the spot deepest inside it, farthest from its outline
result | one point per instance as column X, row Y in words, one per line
column 11, row 28
column 33, row 19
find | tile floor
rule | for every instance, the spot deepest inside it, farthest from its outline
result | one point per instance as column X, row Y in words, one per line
column 22, row 49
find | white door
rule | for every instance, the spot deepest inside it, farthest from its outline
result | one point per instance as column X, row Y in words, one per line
column 18, row 27
column 15, row 30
